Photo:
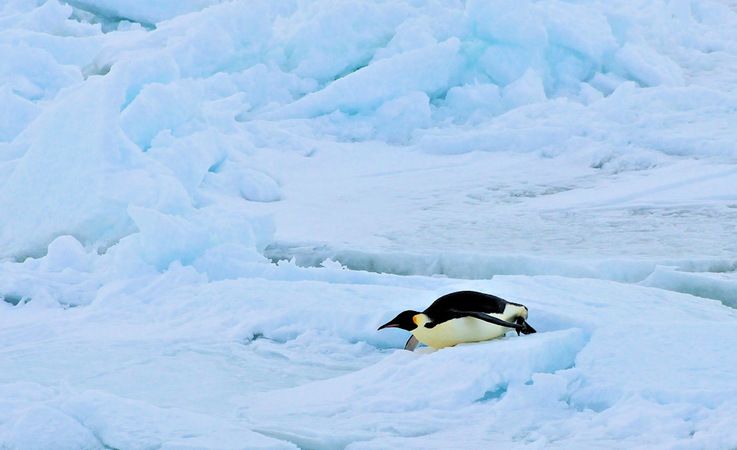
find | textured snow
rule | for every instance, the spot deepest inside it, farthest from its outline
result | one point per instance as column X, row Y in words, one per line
column 209, row 206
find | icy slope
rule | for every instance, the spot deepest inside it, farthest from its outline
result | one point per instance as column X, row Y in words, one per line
column 157, row 160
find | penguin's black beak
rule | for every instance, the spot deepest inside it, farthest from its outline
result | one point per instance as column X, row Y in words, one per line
column 389, row 324
column 403, row 321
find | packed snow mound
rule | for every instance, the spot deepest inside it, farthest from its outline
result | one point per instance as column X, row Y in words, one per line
column 180, row 105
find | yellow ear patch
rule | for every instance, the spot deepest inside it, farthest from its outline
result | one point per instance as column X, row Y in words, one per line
column 416, row 319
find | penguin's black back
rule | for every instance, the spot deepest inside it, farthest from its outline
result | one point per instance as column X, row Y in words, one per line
column 467, row 301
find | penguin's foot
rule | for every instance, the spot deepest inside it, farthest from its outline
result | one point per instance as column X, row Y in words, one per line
column 525, row 327
column 411, row 344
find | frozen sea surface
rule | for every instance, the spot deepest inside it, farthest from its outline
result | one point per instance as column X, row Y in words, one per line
column 209, row 206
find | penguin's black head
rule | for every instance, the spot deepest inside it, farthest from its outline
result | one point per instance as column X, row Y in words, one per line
column 403, row 321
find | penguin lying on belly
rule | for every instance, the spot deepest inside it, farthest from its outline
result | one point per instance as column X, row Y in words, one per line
column 464, row 316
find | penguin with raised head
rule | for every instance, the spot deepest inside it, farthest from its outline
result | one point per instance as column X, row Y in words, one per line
column 464, row 316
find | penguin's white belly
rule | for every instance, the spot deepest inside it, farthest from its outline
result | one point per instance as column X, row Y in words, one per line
column 456, row 331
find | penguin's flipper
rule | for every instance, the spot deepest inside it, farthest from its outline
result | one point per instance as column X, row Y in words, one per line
column 412, row 343
column 490, row 319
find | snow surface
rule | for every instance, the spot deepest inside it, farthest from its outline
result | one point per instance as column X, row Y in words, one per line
column 209, row 206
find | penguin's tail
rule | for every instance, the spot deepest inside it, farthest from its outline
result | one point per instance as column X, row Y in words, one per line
column 525, row 327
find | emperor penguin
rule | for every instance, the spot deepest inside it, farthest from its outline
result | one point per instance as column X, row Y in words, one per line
column 463, row 316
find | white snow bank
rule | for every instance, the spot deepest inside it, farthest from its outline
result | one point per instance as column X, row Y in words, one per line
column 78, row 175
column 33, row 73
column 163, row 239
column 390, row 392
column 719, row 286
column 429, row 69
column 155, row 107
column 498, row 406
column 93, row 419
column 140, row 10
column 15, row 115
column 600, row 369
column 665, row 274
column 123, row 423
column 308, row 36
